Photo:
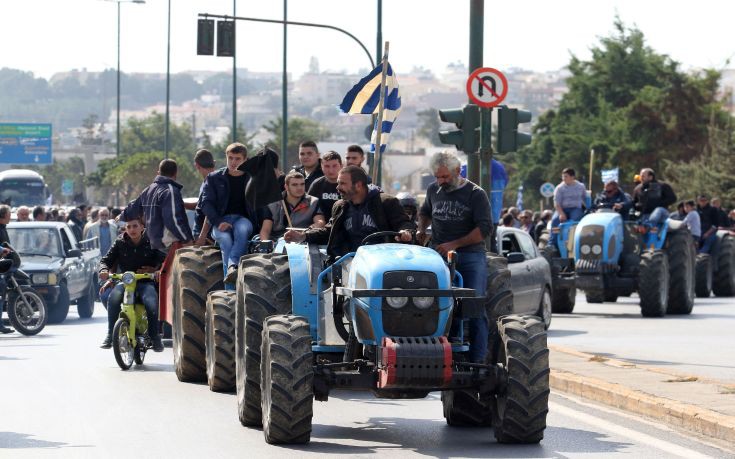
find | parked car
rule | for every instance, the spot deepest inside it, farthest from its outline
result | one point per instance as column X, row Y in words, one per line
column 62, row 269
column 530, row 274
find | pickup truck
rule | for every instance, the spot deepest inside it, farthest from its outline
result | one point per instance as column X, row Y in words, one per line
column 62, row 269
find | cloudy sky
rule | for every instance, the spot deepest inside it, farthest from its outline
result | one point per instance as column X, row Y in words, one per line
column 46, row 36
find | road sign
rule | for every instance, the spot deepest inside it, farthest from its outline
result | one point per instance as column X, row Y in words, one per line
column 547, row 190
column 25, row 143
column 487, row 87
column 67, row 187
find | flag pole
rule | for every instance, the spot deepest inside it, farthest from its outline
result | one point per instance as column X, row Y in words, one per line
column 377, row 160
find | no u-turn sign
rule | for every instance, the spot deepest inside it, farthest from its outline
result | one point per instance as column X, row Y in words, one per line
column 487, row 87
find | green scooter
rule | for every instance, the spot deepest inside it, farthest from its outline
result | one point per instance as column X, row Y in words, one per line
column 130, row 339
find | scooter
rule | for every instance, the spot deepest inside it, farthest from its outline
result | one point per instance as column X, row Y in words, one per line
column 26, row 309
column 130, row 340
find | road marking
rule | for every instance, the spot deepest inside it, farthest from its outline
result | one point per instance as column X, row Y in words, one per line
column 670, row 448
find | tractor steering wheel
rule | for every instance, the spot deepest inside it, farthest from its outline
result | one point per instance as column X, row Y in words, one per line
column 380, row 234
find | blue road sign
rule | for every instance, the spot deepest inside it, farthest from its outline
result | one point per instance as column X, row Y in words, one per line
column 25, row 143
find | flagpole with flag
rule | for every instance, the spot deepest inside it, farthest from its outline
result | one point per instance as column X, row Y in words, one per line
column 379, row 125
column 376, row 94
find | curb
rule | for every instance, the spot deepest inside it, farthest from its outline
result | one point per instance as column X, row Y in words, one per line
column 689, row 417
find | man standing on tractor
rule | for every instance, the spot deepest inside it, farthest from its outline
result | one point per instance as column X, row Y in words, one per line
column 652, row 198
column 612, row 197
column 162, row 209
column 459, row 214
column 325, row 188
column 133, row 251
column 311, row 166
column 362, row 211
column 355, row 156
column 204, row 164
column 709, row 218
column 296, row 209
column 569, row 198
column 226, row 209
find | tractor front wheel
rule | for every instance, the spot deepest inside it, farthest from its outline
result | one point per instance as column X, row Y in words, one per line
column 219, row 327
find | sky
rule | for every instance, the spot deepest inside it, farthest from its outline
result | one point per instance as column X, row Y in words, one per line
column 48, row 36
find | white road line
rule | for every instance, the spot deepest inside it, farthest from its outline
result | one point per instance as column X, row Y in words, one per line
column 638, row 437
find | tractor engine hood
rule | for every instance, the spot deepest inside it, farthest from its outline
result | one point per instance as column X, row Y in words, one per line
column 372, row 261
column 598, row 242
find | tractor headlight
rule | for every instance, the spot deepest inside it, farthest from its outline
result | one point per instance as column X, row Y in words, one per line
column 585, row 249
column 39, row 278
column 596, row 249
column 128, row 278
column 396, row 302
column 423, row 302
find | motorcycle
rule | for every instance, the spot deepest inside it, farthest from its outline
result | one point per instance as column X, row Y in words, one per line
column 130, row 340
column 26, row 309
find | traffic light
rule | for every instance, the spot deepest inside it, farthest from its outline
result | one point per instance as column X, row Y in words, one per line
column 509, row 139
column 205, row 37
column 226, row 38
column 467, row 136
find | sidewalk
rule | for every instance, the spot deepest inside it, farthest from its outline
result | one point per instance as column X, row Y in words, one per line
column 700, row 405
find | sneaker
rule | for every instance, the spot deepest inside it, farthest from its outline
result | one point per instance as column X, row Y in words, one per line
column 107, row 342
column 157, row 343
column 4, row 329
column 231, row 277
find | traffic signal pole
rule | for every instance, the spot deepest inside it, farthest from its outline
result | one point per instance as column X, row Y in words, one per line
column 477, row 24
column 485, row 157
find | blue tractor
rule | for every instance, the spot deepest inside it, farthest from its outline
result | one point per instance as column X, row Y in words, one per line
column 561, row 258
column 378, row 320
column 615, row 258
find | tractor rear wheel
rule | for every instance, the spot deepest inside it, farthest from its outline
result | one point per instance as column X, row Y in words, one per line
column 653, row 283
column 263, row 289
column 196, row 272
column 682, row 257
column 219, row 326
column 724, row 279
column 562, row 299
column 522, row 406
column 287, row 375
column 703, row 282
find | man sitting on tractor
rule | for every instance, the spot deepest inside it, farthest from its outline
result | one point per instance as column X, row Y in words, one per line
column 612, row 197
column 362, row 211
column 296, row 209
column 569, row 198
column 133, row 252
column 652, row 198
column 459, row 214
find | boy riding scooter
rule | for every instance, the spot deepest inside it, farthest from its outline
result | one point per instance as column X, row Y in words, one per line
column 133, row 252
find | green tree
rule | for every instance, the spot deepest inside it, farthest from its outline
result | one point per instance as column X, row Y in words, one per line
column 218, row 149
column 429, row 125
column 633, row 106
column 299, row 130
column 147, row 134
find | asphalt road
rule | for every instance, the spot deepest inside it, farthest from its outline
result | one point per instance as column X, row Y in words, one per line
column 702, row 343
column 62, row 396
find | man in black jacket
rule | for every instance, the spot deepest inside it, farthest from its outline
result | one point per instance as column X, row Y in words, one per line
column 710, row 220
column 133, row 252
column 5, row 240
column 652, row 197
column 311, row 164
column 362, row 211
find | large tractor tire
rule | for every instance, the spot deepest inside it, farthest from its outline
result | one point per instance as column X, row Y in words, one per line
column 653, row 283
column 463, row 408
column 287, row 375
column 703, row 281
column 724, row 279
column 219, row 327
column 682, row 258
column 263, row 289
column 594, row 296
column 523, row 403
column 562, row 299
column 196, row 272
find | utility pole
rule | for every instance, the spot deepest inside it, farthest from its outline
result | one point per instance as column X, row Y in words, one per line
column 234, row 73
column 477, row 24
column 166, row 144
column 284, row 93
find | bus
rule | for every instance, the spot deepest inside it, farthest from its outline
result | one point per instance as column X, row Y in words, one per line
column 22, row 187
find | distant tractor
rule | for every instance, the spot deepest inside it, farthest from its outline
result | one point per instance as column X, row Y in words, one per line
column 715, row 272
column 616, row 258
column 378, row 319
column 561, row 258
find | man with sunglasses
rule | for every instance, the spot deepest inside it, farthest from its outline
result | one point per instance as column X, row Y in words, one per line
column 612, row 197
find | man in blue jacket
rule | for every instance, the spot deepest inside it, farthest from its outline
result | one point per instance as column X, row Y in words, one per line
column 162, row 207
column 224, row 204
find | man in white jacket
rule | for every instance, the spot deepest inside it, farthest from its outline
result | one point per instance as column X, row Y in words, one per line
column 103, row 229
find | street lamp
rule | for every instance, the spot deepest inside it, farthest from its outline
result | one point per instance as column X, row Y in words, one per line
column 117, row 136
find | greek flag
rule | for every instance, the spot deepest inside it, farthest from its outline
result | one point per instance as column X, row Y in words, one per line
column 519, row 199
column 609, row 175
column 364, row 98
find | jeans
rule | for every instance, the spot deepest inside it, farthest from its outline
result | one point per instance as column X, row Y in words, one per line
column 233, row 242
column 705, row 243
column 146, row 293
column 657, row 217
column 572, row 213
column 473, row 268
